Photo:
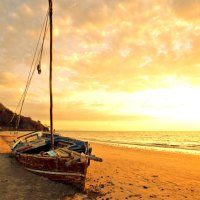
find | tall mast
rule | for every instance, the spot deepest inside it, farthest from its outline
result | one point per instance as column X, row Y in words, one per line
column 50, row 72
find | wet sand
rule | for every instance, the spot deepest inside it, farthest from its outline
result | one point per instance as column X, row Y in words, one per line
column 124, row 174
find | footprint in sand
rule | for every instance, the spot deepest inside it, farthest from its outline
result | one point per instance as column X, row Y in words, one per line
column 134, row 195
column 155, row 176
column 153, row 196
column 109, row 183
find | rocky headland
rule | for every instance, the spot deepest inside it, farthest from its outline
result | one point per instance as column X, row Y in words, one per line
column 25, row 124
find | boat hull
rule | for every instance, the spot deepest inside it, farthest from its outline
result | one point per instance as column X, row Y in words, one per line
column 55, row 168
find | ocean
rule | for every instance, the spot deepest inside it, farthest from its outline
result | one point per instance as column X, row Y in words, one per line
column 174, row 141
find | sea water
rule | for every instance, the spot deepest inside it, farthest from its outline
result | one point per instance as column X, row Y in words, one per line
column 176, row 141
column 183, row 141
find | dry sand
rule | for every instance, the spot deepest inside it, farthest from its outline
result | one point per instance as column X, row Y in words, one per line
column 141, row 174
column 124, row 174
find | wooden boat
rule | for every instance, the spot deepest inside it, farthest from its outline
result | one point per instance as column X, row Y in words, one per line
column 51, row 155
column 67, row 163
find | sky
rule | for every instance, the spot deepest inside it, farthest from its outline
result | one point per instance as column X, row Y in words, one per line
column 117, row 64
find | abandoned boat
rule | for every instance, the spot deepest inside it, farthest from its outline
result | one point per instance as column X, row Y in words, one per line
column 67, row 163
column 48, row 154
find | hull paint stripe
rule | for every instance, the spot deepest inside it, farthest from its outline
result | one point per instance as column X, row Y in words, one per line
column 55, row 173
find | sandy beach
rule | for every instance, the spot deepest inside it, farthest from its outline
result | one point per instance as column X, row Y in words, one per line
column 124, row 174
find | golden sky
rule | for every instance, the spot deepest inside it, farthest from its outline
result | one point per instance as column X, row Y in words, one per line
column 118, row 64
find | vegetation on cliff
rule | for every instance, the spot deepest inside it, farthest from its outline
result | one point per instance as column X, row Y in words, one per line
column 26, row 123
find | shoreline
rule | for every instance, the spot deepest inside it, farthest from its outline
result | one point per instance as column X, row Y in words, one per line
column 160, row 147
column 150, row 148
column 125, row 173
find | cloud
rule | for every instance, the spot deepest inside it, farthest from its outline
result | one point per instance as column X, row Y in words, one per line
column 188, row 10
column 24, row 8
column 19, row 19
column 156, row 35
column 8, row 79
column 113, row 46
column 81, row 112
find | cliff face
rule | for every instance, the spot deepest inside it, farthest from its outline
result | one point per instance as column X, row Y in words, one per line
column 26, row 123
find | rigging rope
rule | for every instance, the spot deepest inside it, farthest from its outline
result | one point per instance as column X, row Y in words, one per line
column 32, row 70
column 41, row 50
